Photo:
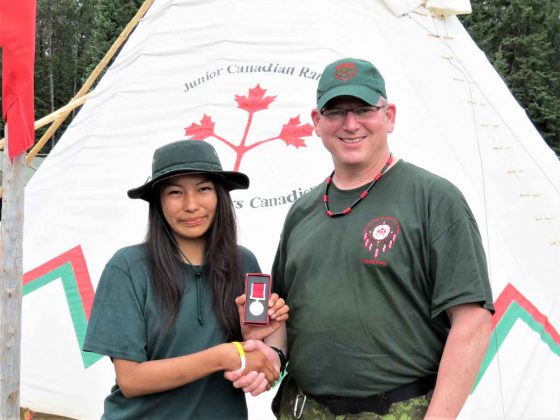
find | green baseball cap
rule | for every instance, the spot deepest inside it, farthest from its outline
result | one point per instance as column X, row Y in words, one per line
column 350, row 77
column 188, row 156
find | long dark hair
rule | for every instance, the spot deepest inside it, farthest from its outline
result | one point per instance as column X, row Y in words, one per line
column 222, row 263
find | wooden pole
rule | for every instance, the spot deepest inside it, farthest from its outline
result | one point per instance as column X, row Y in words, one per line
column 70, row 106
column 60, row 115
column 11, row 275
column 91, row 79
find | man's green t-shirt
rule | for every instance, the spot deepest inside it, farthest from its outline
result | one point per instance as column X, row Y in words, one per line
column 368, row 291
column 126, row 324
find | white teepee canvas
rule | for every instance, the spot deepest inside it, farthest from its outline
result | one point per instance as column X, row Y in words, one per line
column 243, row 74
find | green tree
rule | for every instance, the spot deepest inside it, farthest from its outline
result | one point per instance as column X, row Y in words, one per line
column 110, row 18
column 71, row 38
column 522, row 40
column 63, row 29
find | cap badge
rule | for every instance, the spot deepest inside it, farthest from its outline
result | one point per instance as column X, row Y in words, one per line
column 345, row 71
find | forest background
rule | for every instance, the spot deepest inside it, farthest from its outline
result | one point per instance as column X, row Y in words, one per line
column 520, row 37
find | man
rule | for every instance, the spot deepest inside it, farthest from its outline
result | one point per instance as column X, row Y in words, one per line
column 384, row 272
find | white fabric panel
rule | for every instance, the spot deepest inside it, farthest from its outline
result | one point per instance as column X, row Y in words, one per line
column 449, row 7
column 455, row 117
column 401, row 7
column 437, row 7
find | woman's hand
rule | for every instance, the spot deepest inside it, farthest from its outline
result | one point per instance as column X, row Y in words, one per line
column 277, row 312
column 254, row 382
column 152, row 376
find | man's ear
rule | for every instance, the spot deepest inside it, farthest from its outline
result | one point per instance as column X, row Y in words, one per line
column 315, row 117
column 390, row 115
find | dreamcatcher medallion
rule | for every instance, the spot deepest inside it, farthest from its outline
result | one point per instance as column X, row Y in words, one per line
column 380, row 235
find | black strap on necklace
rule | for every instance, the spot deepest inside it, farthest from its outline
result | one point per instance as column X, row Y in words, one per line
column 362, row 195
column 197, row 273
column 197, row 276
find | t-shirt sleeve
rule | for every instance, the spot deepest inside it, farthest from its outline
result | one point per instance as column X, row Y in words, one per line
column 116, row 327
column 458, row 267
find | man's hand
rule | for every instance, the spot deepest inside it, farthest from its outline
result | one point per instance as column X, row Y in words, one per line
column 253, row 382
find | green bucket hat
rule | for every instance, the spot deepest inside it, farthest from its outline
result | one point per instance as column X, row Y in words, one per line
column 350, row 77
column 184, row 157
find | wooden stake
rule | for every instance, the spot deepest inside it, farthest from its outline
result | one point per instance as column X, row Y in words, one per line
column 70, row 106
column 91, row 79
column 54, row 115
column 11, row 276
column 61, row 114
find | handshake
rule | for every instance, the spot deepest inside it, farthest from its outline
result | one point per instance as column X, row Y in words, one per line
column 261, row 364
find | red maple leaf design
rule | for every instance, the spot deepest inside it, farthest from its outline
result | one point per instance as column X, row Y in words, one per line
column 255, row 101
column 201, row 131
column 293, row 132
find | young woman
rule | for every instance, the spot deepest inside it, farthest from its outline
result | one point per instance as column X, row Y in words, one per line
column 165, row 310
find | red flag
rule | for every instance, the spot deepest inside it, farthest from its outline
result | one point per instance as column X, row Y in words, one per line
column 17, row 39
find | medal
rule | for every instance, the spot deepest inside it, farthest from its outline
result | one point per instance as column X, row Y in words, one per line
column 257, row 295
column 258, row 287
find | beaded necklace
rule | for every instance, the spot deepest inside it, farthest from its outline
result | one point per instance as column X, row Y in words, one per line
column 360, row 198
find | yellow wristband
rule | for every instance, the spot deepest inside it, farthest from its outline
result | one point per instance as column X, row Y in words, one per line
column 239, row 347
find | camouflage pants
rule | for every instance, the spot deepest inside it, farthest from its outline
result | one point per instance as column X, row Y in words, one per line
column 285, row 400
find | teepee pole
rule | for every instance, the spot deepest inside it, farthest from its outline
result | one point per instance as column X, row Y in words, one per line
column 90, row 80
column 11, row 273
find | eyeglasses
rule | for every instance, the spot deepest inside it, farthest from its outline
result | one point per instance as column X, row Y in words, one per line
column 361, row 113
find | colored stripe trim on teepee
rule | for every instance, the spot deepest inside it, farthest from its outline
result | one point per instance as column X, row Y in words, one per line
column 71, row 268
column 510, row 306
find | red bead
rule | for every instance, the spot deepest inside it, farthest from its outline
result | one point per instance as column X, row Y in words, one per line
column 347, row 210
column 329, row 180
column 378, row 176
column 330, row 213
column 363, row 195
column 325, row 198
